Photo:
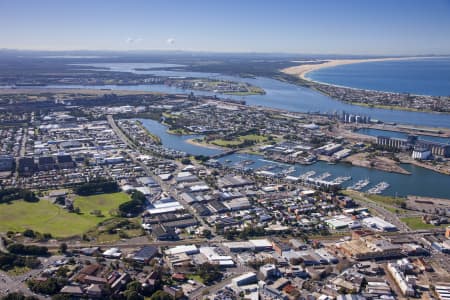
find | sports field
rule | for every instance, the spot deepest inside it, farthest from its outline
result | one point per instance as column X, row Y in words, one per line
column 46, row 217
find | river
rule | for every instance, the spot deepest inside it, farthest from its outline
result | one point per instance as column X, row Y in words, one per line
column 421, row 182
column 279, row 95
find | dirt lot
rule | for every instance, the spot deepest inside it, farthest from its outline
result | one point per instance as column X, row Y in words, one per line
column 377, row 162
column 427, row 204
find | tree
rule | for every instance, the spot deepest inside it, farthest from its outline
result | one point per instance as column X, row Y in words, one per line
column 63, row 248
column 132, row 295
column 207, row 233
column 209, row 273
column 100, row 185
column 134, row 286
column 186, row 161
column 29, row 233
column 27, row 249
column 51, row 286
column 161, row 295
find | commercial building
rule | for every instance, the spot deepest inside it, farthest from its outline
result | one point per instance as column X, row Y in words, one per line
column 329, row 149
column 436, row 148
column 6, row 162
column 215, row 258
column 164, row 233
column 442, row 291
column 145, row 254
column 244, row 279
column 378, row 224
column 187, row 249
column 269, row 271
column 396, row 143
column 421, row 153
column 27, row 166
column 369, row 247
column 405, row 283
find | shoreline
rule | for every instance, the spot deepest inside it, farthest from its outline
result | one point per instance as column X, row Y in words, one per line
column 205, row 145
column 301, row 70
column 379, row 163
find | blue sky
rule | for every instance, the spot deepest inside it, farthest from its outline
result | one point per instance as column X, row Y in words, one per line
column 297, row 26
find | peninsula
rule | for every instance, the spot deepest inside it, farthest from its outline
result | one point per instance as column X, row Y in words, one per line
column 363, row 97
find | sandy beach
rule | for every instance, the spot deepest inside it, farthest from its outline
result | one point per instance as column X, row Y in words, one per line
column 205, row 145
column 302, row 70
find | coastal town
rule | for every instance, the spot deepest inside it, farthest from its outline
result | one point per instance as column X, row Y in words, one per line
column 129, row 216
column 225, row 150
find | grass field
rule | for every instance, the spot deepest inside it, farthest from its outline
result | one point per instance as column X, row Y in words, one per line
column 195, row 277
column 106, row 203
column 416, row 223
column 46, row 217
column 239, row 140
column 390, row 203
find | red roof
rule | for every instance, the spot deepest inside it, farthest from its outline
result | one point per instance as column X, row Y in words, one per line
column 179, row 276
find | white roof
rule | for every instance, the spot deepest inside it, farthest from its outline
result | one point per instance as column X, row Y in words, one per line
column 165, row 176
column 378, row 222
column 144, row 190
column 228, row 263
column 247, row 245
column 184, row 174
column 154, row 211
column 199, row 187
column 244, row 276
column 182, row 249
column 261, row 243
column 213, row 256
column 308, row 192
column 111, row 251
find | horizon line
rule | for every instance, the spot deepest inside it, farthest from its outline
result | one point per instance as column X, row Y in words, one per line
column 220, row 52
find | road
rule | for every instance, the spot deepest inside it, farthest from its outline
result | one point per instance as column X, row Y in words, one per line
column 382, row 212
column 234, row 272
column 9, row 284
column 166, row 187
column 23, row 144
column 126, row 244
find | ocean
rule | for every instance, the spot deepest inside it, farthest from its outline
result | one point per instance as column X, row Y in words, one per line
column 419, row 76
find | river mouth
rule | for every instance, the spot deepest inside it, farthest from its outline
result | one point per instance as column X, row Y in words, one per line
column 279, row 95
column 418, row 75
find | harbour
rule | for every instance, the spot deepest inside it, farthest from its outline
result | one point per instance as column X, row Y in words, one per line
column 421, row 182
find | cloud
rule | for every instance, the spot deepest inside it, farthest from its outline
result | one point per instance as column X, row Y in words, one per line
column 170, row 41
column 131, row 40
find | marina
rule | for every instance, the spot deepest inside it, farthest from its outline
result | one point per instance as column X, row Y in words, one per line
column 359, row 185
column 379, row 188
column 421, row 182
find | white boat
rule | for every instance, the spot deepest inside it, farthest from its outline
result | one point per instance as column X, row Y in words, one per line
column 359, row 185
column 307, row 175
column 323, row 176
column 379, row 188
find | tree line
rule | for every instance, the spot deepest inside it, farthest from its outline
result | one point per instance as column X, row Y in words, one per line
column 98, row 186
column 11, row 194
